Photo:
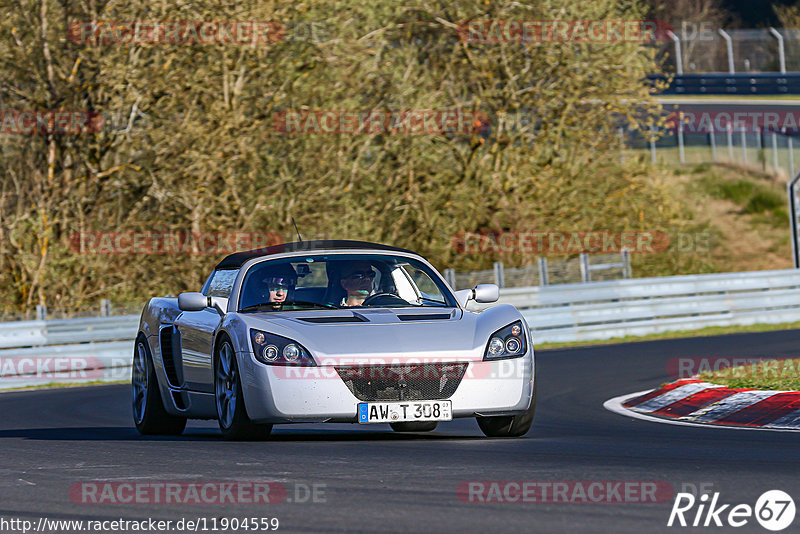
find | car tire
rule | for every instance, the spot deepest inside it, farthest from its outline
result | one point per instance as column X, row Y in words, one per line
column 510, row 426
column 229, row 400
column 414, row 426
column 149, row 414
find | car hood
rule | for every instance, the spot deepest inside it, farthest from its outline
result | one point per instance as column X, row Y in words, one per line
column 380, row 335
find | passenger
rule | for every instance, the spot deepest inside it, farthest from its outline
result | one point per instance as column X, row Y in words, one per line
column 357, row 280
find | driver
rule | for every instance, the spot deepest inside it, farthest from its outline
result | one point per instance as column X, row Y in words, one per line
column 357, row 280
column 279, row 283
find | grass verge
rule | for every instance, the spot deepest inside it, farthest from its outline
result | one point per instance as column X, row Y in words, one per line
column 703, row 332
column 775, row 375
column 52, row 385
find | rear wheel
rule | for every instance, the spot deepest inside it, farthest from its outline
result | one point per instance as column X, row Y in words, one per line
column 414, row 426
column 509, row 426
column 231, row 413
column 149, row 414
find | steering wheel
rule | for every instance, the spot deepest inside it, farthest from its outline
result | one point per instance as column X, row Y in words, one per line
column 384, row 299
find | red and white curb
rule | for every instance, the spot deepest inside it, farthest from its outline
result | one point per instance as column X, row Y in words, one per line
column 697, row 403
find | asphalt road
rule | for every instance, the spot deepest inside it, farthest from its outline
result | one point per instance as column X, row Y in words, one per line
column 371, row 479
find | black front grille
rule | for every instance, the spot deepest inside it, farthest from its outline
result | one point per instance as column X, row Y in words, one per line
column 430, row 381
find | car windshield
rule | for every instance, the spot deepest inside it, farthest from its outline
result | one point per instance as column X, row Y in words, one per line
column 342, row 281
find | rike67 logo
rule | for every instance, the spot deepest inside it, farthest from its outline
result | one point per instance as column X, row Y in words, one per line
column 774, row 510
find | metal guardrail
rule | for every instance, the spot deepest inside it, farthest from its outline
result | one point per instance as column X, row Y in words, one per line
column 605, row 310
column 731, row 84
column 561, row 313
column 64, row 331
column 794, row 216
column 66, row 350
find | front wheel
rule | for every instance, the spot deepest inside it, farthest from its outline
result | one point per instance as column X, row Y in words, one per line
column 231, row 413
column 509, row 426
column 149, row 414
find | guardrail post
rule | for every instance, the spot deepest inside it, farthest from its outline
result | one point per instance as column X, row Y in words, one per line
column 713, row 140
column 626, row 261
column 678, row 54
column 105, row 308
column 544, row 279
column 775, row 151
column 729, row 131
column 586, row 275
column 681, row 147
column 744, row 146
column 729, row 43
column 781, row 49
column 450, row 278
column 498, row 274
column 41, row 312
column 790, row 142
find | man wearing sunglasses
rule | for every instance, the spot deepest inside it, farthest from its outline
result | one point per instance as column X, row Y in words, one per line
column 358, row 281
column 279, row 284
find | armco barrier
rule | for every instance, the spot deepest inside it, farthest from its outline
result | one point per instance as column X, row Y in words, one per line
column 560, row 313
column 30, row 348
column 605, row 310
column 731, row 84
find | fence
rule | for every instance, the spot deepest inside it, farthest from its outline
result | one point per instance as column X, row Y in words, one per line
column 698, row 48
column 769, row 151
column 585, row 268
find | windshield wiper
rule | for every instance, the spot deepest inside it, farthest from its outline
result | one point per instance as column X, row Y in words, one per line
column 280, row 305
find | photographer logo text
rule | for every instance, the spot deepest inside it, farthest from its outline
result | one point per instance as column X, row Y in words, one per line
column 774, row 510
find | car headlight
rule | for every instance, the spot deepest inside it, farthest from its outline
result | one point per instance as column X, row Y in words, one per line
column 277, row 350
column 508, row 342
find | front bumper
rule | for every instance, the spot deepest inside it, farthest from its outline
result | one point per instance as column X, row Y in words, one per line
column 276, row 394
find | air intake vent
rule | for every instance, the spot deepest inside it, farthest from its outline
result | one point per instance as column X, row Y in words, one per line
column 334, row 319
column 424, row 317
column 170, row 352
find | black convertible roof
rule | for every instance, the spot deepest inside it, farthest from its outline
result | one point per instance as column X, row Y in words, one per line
column 237, row 259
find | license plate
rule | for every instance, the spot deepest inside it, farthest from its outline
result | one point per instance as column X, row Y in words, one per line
column 400, row 412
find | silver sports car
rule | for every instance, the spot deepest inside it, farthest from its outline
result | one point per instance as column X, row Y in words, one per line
column 331, row 331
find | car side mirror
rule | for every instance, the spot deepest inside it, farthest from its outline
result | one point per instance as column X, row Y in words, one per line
column 193, row 302
column 486, row 293
column 482, row 294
